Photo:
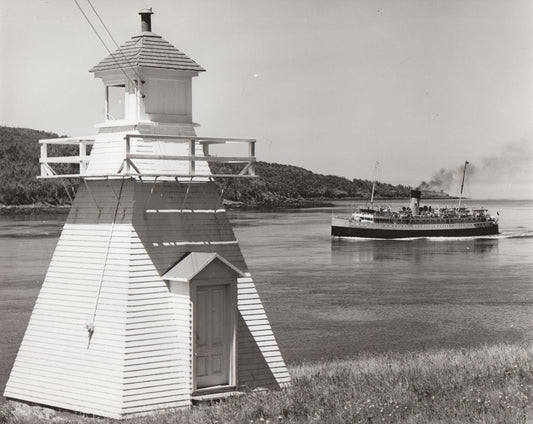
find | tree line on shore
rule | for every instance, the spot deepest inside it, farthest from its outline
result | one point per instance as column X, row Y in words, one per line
column 19, row 168
column 277, row 184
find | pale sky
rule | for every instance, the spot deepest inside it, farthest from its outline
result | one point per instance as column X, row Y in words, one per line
column 332, row 86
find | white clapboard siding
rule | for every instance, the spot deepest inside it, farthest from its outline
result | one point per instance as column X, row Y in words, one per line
column 251, row 368
column 106, row 271
column 107, row 154
column 110, row 148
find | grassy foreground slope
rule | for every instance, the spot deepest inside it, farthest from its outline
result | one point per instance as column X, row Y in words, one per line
column 483, row 385
column 278, row 185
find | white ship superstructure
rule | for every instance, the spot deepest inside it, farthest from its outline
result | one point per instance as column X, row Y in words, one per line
column 415, row 221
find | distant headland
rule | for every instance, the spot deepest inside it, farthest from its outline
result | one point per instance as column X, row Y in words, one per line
column 278, row 186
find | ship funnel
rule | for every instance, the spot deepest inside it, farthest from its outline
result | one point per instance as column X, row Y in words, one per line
column 415, row 201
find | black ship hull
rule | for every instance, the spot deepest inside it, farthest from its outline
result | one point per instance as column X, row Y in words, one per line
column 388, row 233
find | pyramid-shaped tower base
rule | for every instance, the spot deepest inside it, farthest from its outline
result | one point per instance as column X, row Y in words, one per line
column 122, row 323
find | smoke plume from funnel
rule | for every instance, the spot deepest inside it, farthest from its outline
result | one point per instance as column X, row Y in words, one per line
column 513, row 163
column 443, row 179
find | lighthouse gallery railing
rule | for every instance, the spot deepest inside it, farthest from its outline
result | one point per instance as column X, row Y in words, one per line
column 128, row 167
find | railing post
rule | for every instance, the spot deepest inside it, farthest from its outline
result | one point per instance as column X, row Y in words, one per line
column 83, row 157
column 44, row 155
column 192, row 164
column 251, row 153
column 127, row 159
column 106, row 104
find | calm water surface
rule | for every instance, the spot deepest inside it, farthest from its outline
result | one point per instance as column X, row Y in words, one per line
column 328, row 298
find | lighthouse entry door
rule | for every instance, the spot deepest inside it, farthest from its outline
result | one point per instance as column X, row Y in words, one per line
column 214, row 333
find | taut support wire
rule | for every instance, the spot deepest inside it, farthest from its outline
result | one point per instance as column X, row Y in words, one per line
column 90, row 325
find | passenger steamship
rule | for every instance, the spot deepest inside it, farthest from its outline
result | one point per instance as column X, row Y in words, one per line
column 415, row 221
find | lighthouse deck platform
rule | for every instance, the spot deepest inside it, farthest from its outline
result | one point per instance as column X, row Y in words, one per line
column 197, row 151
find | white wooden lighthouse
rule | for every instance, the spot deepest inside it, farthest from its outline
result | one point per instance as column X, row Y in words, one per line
column 147, row 302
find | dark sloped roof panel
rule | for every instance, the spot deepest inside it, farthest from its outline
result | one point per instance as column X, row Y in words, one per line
column 147, row 50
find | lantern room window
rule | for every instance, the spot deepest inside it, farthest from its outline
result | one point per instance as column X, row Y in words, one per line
column 115, row 96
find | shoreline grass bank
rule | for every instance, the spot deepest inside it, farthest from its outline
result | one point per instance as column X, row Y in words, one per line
column 491, row 384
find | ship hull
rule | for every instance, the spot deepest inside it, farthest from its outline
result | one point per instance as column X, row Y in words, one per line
column 389, row 233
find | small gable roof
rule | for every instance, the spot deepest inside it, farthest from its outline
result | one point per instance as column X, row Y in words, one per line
column 192, row 264
column 147, row 50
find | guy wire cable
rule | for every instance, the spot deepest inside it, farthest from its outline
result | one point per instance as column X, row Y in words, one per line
column 114, row 41
column 103, row 43
column 90, row 326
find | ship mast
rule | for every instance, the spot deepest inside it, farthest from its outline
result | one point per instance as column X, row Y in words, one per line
column 374, row 185
column 462, row 184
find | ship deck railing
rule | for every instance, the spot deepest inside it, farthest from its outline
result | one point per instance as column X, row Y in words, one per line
column 419, row 220
column 129, row 169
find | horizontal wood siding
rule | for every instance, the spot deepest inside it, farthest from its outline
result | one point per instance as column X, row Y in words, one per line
column 157, row 370
column 59, row 363
column 260, row 361
column 109, row 151
column 167, row 148
column 139, row 357
column 167, row 237
column 107, row 154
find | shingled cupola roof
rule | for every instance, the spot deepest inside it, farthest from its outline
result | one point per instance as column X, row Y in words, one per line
column 147, row 50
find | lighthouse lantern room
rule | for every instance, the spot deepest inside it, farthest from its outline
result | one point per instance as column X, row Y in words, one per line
column 147, row 302
column 147, row 80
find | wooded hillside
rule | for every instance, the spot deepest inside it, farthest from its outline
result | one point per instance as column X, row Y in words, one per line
column 19, row 167
column 277, row 185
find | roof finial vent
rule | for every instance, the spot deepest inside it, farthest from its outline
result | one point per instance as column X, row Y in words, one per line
column 146, row 22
